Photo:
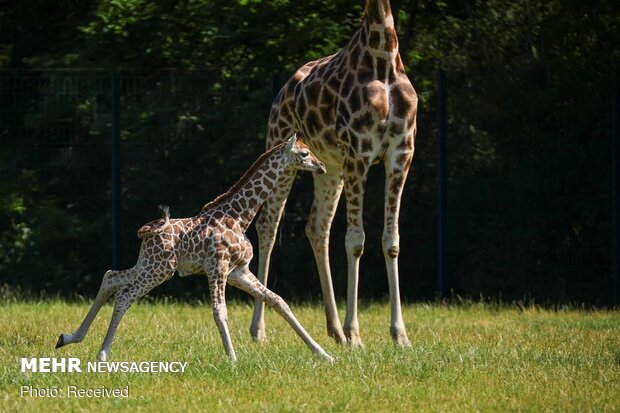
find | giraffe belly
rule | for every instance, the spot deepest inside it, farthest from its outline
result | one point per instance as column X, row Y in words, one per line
column 187, row 264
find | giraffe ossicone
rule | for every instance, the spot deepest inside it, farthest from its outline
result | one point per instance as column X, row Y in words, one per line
column 355, row 108
column 212, row 243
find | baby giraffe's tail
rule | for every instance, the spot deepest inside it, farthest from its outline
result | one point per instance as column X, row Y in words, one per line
column 165, row 212
column 156, row 226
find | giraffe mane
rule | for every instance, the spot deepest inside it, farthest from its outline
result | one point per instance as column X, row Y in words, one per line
column 243, row 180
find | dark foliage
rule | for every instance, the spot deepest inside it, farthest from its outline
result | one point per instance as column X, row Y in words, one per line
column 529, row 129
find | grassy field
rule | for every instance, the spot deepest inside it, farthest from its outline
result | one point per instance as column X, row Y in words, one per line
column 472, row 357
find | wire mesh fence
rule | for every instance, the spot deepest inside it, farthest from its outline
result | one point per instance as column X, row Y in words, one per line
column 513, row 225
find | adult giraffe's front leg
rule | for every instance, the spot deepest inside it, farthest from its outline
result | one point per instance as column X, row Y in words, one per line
column 266, row 226
column 327, row 190
column 355, row 174
column 396, row 170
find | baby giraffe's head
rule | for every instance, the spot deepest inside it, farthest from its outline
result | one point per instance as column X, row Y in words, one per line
column 300, row 156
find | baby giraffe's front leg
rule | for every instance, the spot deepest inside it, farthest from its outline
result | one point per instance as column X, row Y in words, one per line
column 217, row 268
column 243, row 279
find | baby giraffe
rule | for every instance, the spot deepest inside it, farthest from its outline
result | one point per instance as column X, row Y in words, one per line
column 212, row 243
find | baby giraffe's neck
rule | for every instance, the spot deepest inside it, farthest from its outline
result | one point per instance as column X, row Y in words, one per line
column 243, row 200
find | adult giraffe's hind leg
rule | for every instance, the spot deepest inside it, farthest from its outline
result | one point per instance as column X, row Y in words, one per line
column 327, row 190
column 266, row 226
column 112, row 281
column 396, row 169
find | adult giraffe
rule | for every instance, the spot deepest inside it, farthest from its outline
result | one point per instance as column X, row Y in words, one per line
column 354, row 108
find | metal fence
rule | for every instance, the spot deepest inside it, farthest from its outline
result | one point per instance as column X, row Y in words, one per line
column 90, row 153
column 102, row 149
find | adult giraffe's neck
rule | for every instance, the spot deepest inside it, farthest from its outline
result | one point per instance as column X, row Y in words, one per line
column 378, row 12
column 373, row 50
column 243, row 200
column 378, row 33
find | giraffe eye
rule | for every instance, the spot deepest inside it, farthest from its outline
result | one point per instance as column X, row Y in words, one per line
column 304, row 153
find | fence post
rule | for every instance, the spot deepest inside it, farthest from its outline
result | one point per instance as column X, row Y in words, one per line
column 615, row 189
column 442, row 281
column 116, row 170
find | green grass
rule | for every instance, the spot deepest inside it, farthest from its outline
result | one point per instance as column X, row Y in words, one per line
column 464, row 358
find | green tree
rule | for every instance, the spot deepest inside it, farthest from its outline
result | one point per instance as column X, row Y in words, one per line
column 529, row 160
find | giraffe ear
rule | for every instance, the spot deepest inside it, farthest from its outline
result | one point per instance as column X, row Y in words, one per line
column 290, row 143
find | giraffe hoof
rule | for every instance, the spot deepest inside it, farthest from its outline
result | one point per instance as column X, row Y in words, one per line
column 355, row 341
column 259, row 335
column 61, row 341
column 337, row 335
column 401, row 340
column 340, row 339
column 328, row 358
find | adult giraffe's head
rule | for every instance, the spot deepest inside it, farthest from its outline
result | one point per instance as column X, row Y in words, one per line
column 300, row 156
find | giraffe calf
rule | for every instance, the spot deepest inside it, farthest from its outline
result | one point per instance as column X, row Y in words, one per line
column 212, row 243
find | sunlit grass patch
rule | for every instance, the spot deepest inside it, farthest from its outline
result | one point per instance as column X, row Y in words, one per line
column 473, row 357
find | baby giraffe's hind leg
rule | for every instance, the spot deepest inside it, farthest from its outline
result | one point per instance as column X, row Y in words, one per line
column 243, row 279
column 112, row 281
column 124, row 299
